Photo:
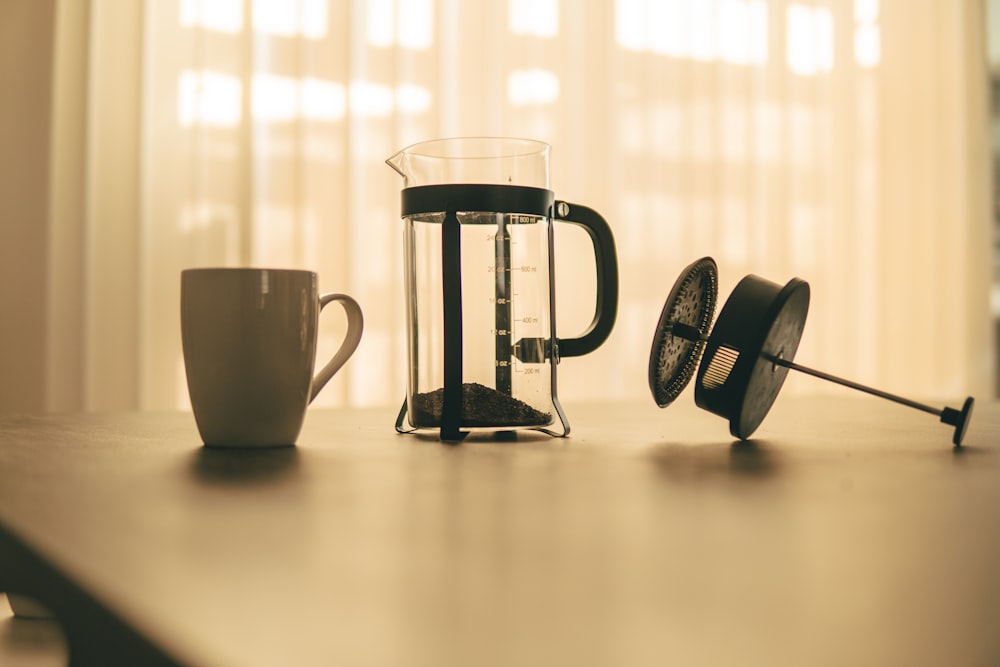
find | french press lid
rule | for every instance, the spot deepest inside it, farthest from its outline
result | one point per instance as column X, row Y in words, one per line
column 746, row 356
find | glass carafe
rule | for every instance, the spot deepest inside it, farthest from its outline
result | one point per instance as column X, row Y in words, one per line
column 482, row 347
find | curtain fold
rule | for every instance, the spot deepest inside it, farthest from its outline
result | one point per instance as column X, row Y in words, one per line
column 842, row 141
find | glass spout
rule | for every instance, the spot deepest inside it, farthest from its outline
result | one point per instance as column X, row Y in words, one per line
column 396, row 162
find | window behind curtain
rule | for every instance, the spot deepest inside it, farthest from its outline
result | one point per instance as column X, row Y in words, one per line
column 834, row 141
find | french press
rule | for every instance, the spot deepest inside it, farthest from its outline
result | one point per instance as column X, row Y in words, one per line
column 480, row 300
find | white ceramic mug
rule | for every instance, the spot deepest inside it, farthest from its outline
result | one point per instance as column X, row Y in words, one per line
column 249, row 339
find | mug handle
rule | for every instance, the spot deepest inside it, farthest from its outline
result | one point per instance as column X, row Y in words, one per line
column 355, row 325
column 606, row 308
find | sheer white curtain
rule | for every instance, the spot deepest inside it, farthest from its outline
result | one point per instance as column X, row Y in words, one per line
column 840, row 141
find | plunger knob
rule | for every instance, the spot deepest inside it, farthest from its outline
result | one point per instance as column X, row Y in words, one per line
column 959, row 419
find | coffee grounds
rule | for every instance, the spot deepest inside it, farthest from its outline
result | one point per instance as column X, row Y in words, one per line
column 481, row 406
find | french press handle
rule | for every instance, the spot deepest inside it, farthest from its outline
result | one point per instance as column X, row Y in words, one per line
column 606, row 308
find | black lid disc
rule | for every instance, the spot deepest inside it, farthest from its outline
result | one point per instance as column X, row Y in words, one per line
column 760, row 321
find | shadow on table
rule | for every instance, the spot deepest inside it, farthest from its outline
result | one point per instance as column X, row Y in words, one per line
column 742, row 459
column 969, row 455
column 245, row 467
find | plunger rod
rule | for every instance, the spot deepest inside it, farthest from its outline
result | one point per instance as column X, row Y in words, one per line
column 853, row 385
column 959, row 418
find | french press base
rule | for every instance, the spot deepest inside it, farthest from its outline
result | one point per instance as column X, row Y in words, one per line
column 493, row 367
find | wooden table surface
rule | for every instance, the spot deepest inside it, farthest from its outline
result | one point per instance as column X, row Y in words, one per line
column 848, row 532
